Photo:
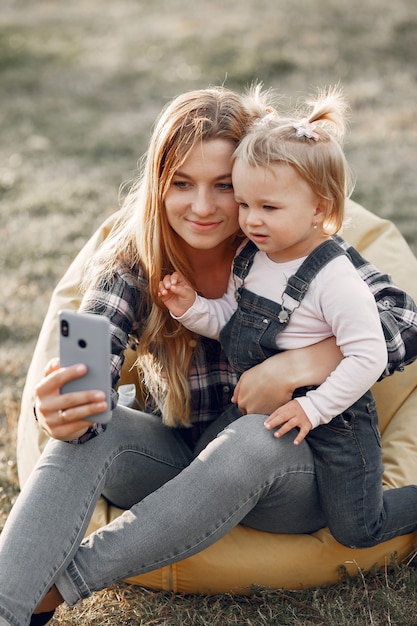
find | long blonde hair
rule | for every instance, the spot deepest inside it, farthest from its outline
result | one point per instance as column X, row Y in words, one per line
column 142, row 236
column 310, row 141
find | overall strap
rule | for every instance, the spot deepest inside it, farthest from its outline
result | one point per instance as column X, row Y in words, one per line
column 351, row 252
column 243, row 261
column 299, row 282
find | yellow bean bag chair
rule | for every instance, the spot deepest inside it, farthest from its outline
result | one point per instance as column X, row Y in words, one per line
column 247, row 557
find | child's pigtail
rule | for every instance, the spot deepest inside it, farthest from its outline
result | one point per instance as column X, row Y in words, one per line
column 329, row 109
column 259, row 104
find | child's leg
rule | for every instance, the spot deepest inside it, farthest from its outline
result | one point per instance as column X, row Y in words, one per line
column 348, row 460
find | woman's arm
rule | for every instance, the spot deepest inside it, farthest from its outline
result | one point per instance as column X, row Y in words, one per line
column 258, row 391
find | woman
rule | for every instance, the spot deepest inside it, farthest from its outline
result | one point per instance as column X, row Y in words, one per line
column 182, row 488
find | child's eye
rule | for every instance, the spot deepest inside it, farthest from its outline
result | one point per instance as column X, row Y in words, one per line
column 243, row 205
column 268, row 207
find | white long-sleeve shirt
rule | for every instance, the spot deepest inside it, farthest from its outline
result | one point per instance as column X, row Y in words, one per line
column 338, row 303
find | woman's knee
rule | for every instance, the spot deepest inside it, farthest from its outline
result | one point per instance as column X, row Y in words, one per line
column 249, row 439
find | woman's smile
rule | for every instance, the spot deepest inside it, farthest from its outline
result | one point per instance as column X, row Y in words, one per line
column 203, row 226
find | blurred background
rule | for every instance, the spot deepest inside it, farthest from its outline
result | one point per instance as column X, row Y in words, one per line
column 81, row 83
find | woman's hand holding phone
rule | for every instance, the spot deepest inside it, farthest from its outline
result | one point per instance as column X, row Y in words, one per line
column 76, row 388
column 62, row 416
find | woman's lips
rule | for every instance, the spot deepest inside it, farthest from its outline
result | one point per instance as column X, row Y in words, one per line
column 203, row 226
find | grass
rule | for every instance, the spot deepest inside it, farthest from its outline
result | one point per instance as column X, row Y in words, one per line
column 384, row 598
column 81, row 84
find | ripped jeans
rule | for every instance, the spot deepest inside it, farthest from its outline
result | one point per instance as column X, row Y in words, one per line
column 176, row 502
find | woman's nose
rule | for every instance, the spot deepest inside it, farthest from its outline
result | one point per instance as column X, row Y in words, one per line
column 204, row 203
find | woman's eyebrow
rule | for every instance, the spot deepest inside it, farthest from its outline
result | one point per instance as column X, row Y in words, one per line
column 185, row 175
column 182, row 174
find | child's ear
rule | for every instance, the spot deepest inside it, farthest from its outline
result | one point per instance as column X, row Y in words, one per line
column 322, row 210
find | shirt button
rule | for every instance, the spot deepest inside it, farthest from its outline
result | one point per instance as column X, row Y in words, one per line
column 386, row 304
column 226, row 389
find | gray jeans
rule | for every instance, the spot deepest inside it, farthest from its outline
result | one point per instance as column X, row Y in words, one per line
column 176, row 505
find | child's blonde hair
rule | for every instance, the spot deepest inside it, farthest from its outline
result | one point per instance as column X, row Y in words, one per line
column 309, row 141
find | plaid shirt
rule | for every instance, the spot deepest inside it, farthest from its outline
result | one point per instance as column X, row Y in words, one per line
column 212, row 380
column 397, row 311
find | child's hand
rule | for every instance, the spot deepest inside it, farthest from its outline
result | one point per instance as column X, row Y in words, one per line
column 289, row 416
column 177, row 295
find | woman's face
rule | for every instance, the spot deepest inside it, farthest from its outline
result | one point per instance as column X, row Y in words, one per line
column 200, row 203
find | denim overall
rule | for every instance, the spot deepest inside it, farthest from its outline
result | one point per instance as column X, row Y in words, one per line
column 250, row 336
column 347, row 450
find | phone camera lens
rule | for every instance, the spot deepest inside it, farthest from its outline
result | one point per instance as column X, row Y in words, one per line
column 82, row 343
column 64, row 328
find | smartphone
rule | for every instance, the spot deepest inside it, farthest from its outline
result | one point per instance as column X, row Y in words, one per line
column 85, row 338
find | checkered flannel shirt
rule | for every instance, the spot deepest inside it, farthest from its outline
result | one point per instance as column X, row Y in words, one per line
column 397, row 311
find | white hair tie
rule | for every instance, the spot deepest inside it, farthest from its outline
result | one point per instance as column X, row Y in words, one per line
column 262, row 121
column 305, row 129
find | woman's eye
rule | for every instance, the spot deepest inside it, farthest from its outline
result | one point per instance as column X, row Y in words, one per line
column 225, row 186
column 181, row 184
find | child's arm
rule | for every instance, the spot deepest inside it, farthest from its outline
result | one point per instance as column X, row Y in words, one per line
column 200, row 315
column 350, row 311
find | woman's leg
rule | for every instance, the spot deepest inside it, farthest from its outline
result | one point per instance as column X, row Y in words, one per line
column 244, row 475
column 133, row 457
column 348, row 461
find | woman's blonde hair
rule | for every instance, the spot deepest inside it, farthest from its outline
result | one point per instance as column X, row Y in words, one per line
column 310, row 141
column 142, row 236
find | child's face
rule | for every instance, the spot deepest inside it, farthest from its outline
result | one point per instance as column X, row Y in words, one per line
column 277, row 210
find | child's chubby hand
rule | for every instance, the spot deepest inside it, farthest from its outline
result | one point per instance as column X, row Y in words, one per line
column 287, row 417
column 176, row 293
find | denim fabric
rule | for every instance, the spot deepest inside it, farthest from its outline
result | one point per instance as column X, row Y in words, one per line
column 347, row 451
column 178, row 505
column 348, row 461
column 250, row 336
